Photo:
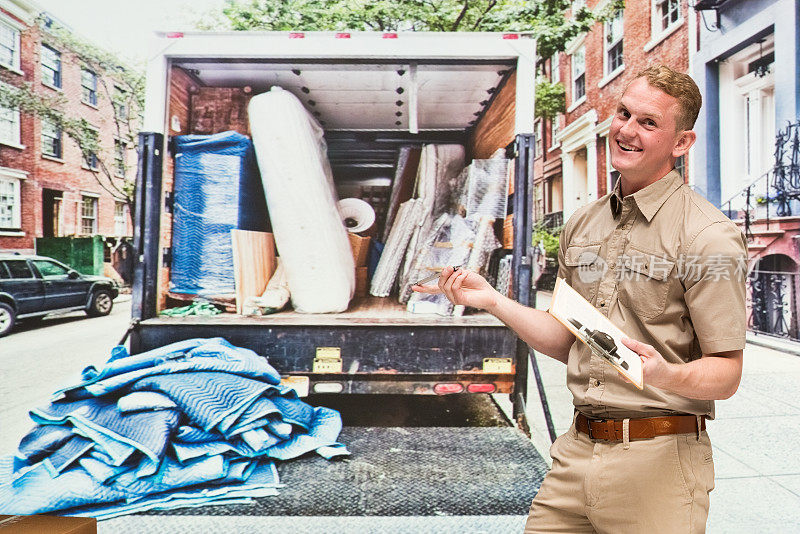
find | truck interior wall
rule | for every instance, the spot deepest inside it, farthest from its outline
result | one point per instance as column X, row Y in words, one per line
column 181, row 87
column 220, row 109
column 496, row 129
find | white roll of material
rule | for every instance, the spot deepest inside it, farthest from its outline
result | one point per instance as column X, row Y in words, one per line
column 298, row 184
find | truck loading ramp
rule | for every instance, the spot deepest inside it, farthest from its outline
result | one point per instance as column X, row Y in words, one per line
column 398, row 478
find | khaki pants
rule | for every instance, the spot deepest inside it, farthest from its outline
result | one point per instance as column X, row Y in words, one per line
column 651, row 486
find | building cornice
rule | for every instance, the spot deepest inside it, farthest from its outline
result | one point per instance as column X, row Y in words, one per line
column 24, row 10
column 579, row 132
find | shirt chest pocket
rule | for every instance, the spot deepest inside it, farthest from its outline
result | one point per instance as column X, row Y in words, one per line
column 586, row 267
column 644, row 281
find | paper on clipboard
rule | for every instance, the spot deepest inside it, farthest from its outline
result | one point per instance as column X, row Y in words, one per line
column 595, row 331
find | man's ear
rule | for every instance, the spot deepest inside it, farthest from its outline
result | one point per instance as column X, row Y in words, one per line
column 683, row 143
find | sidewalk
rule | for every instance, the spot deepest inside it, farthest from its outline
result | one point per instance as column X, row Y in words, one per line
column 756, row 439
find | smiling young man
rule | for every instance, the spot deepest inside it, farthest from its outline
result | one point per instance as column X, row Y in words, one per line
column 667, row 267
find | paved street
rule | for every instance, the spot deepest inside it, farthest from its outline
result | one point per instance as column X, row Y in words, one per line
column 756, row 439
column 37, row 358
column 757, row 453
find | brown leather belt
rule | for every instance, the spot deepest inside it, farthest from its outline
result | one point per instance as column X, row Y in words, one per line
column 644, row 428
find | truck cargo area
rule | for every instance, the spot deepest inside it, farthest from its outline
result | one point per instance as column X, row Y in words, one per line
column 372, row 95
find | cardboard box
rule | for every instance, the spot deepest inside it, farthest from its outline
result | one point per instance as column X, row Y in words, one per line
column 360, row 246
column 361, row 282
column 50, row 524
column 508, row 232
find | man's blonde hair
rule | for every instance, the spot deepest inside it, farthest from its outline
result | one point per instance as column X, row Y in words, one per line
column 680, row 86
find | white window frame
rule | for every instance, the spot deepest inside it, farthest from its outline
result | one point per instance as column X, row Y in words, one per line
column 120, row 157
column 16, row 129
column 15, row 178
column 60, row 138
column 91, row 90
column 657, row 33
column 555, row 128
column 81, row 217
column 555, row 68
column 579, row 51
column 608, row 45
column 15, row 58
column 60, row 72
column 120, row 220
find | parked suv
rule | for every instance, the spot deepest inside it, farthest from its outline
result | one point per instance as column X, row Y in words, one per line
column 33, row 286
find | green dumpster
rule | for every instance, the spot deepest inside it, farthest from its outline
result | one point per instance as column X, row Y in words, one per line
column 84, row 254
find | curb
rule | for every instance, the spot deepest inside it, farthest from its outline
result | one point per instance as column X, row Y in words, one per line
column 769, row 342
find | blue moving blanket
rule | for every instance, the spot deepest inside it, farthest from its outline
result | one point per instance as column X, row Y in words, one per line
column 192, row 423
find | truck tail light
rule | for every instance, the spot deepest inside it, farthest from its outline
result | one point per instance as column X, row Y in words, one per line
column 481, row 388
column 444, row 389
column 174, row 35
column 510, row 36
column 297, row 35
column 390, row 36
column 343, row 36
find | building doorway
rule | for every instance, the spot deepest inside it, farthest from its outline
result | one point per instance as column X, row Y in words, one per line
column 51, row 213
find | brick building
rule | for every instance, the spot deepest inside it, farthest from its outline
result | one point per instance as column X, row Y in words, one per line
column 594, row 69
column 47, row 188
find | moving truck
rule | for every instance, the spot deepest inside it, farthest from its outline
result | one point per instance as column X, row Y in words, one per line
column 372, row 93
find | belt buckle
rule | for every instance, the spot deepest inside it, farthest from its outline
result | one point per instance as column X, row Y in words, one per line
column 590, row 421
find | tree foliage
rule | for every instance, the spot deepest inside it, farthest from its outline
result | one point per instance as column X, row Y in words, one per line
column 550, row 98
column 127, row 101
column 544, row 19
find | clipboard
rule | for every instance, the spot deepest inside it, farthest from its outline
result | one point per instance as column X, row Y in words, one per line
column 595, row 331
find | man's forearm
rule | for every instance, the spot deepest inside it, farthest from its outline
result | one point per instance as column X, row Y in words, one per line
column 537, row 328
column 712, row 377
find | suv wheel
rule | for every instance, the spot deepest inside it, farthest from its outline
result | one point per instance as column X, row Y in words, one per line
column 101, row 303
column 7, row 318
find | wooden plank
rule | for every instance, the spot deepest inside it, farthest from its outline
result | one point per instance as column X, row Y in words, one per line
column 367, row 311
column 496, row 127
column 253, row 263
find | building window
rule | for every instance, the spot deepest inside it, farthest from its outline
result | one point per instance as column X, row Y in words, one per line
column 537, row 139
column 680, row 166
column 667, row 13
column 613, row 43
column 51, row 66
column 120, row 226
column 577, row 5
column 119, row 158
column 578, row 74
column 89, row 87
column 555, row 69
column 555, row 124
column 9, row 204
column 9, row 126
column 121, row 103
column 91, row 160
column 9, row 46
column 88, row 215
column 51, row 140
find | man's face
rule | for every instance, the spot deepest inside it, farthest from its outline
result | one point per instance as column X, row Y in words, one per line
column 643, row 133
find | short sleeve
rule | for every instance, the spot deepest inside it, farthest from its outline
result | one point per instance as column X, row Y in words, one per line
column 563, row 243
column 713, row 270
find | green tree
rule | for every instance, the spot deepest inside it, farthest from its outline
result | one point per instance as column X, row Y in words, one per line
column 544, row 19
column 119, row 84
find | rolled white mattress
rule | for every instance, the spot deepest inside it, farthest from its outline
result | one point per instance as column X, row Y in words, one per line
column 309, row 234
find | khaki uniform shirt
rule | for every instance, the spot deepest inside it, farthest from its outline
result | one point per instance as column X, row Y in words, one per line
column 666, row 267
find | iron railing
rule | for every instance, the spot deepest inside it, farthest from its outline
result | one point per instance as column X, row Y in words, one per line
column 775, row 193
column 772, row 303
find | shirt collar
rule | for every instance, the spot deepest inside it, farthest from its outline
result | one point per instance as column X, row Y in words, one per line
column 648, row 199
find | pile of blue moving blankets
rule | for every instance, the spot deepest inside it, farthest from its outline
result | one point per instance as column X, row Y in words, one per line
column 192, row 423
